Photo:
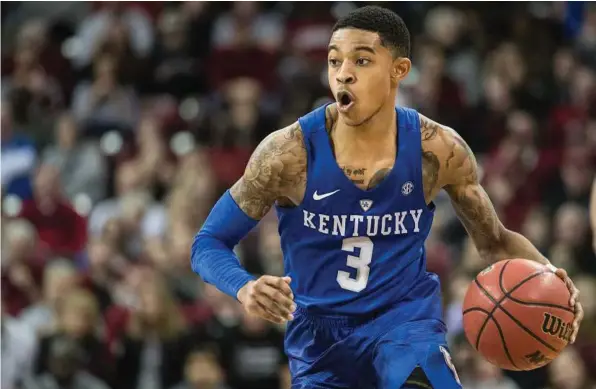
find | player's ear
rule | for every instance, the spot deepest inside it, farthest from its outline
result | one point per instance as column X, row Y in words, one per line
column 401, row 68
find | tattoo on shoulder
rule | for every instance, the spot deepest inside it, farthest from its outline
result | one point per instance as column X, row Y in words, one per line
column 444, row 154
column 276, row 169
column 428, row 128
column 431, row 164
column 461, row 158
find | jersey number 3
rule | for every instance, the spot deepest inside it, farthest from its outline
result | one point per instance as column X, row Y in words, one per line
column 360, row 263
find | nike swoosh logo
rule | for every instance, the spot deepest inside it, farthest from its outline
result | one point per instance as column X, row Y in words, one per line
column 317, row 196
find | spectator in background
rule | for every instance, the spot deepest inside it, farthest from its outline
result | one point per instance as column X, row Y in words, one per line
column 222, row 317
column 114, row 15
column 130, row 219
column 150, row 353
column 202, row 370
column 18, row 156
column 488, row 376
column 29, row 75
column 41, row 94
column 174, row 265
column 175, row 70
column 77, row 318
column 19, row 345
column 253, row 354
column 435, row 92
column 83, row 169
column 574, row 181
column 200, row 21
column 105, row 267
column 568, row 371
column 458, row 286
column 65, row 360
column 245, row 26
column 58, row 225
column 572, row 239
column 245, row 43
column 22, row 266
column 105, row 103
column 537, row 227
column 152, row 161
column 59, row 277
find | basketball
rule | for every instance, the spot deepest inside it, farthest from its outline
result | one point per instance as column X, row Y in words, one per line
column 517, row 314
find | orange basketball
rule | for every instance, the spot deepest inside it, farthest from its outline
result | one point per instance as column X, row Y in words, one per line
column 517, row 314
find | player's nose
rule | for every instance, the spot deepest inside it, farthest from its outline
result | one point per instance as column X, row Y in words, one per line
column 348, row 79
column 345, row 76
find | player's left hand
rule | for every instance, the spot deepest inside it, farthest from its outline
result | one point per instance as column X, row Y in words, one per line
column 573, row 301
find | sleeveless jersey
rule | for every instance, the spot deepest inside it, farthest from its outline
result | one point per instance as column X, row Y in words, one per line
column 357, row 252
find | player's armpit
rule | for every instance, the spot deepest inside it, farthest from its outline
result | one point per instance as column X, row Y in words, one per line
column 276, row 171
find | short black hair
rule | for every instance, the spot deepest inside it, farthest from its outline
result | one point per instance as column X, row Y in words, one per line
column 391, row 28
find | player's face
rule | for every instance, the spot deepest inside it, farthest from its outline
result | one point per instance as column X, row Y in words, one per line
column 362, row 74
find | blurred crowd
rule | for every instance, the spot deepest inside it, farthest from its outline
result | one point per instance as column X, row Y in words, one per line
column 122, row 123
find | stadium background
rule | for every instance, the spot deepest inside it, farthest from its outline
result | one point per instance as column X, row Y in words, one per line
column 122, row 123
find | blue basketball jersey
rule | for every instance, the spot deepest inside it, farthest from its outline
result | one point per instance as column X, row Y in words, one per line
column 358, row 252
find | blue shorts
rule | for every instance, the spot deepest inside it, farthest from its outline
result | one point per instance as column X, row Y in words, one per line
column 348, row 353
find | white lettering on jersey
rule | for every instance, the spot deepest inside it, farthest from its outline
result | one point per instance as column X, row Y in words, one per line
column 416, row 216
column 385, row 229
column 369, row 230
column 356, row 219
column 397, row 223
column 308, row 216
column 323, row 219
column 339, row 225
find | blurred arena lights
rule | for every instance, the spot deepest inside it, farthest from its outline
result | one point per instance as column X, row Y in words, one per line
column 11, row 206
column 182, row 143
column 82, row 204
column 111, row 142
column 71, row 47
column 189, row 109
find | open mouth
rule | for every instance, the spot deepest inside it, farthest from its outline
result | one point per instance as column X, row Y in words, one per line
column 345, row 100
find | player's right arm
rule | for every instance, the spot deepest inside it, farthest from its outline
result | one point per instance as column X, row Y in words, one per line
column 276, row 172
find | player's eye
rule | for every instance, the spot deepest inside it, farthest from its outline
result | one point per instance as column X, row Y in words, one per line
column 333, row 62
column 362, row 61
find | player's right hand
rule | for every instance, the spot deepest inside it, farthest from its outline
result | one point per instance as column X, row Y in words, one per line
column 270, row 298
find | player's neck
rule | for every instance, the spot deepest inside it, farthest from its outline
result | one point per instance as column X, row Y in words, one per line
column 375, row 130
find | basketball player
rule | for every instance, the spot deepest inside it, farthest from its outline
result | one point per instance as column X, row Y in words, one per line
column 353, row 184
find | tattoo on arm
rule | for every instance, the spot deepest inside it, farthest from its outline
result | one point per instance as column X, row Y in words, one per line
column 470, row 201
column 448, row 162
column 276, row 168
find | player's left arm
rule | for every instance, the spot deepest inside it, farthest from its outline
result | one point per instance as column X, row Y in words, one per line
column 457, row 173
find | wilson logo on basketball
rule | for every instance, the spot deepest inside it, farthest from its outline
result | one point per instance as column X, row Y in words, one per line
column 554, row 326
